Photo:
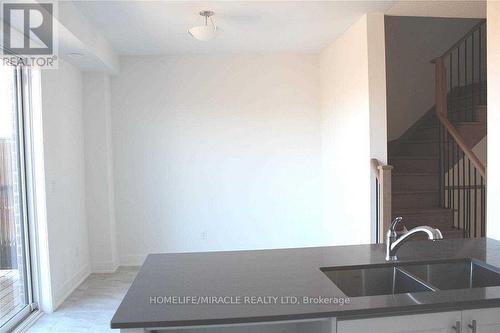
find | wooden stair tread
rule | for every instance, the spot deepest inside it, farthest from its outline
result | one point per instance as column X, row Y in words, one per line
column 469, row 123
column 406, row 157
column 452, row 232
column 457, row 123
column 397, row 174
column 417, row 211
column 428, row 126
column 422, row 141
column 414, row 192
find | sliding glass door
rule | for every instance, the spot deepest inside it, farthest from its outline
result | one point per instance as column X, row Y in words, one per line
column 16, row 295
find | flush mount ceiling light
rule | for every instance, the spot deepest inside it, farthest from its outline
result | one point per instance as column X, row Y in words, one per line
column 205, row 32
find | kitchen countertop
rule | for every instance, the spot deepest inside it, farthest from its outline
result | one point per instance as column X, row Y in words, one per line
column 284, row 274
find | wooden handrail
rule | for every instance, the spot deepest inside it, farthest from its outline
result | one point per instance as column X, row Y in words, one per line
column 461, row 143
column 374, row 165
column 377, row 167
column 442, row 114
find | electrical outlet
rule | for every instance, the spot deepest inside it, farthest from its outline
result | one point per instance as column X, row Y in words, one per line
column 204, row 235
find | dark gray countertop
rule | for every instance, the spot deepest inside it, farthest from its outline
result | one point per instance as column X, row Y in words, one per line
column 288, row 272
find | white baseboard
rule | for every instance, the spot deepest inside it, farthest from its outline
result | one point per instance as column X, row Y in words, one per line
column 104, row 267
column 69, row 286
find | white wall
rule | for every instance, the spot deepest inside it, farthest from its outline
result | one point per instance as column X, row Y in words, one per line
column 377, row 86
column 378, row 104
column 216, row 153
column 412, row 42
column 99, row 172
column 349, row 134
column 493, row 54
column 63, row 138
column 77, row 34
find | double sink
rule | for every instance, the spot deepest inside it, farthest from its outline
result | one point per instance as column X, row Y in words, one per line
column 398, row 278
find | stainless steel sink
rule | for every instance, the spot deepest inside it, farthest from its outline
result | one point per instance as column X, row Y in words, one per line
column 397, row 278
column 357, row 281
column 459, row 274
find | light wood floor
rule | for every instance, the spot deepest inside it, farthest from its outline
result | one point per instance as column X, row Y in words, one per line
column 91, row 306
column 11, row 294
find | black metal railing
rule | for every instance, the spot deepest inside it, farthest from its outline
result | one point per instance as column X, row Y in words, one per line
column 460, row 99
column 465, row 65
column 463, row 187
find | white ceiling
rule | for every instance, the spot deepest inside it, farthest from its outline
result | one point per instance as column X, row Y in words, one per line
column 160, row 27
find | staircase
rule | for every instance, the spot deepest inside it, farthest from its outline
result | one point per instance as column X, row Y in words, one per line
column 416, row 173
column 415, row 178
column 437, row 179
column 434, row 176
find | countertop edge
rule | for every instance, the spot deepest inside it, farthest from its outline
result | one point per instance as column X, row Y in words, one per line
column 342, row 315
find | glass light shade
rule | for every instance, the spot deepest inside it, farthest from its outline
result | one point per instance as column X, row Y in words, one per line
column 203, row 32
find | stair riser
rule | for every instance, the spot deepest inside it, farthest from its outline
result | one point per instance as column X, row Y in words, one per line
column 430, row 121
column 482, row 115
column 431, row 133
column 450, row 234
column 415, row 200
column 414, row 166
column 453, row 234
column 467, row 100
column 415, row 182
column 415, row 149
column 442, row 221
column 469, row 114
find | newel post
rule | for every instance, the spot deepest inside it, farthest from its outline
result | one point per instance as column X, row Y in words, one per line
column 441, row 88
column 385, row 181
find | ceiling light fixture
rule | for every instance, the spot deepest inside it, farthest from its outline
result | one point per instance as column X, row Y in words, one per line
column 205, row 32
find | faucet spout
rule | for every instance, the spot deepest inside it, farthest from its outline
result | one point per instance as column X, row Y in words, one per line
column 393, row 243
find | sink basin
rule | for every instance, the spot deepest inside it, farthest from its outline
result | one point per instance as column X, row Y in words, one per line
column 357, row 281
column 459, row 274
column 398, row 278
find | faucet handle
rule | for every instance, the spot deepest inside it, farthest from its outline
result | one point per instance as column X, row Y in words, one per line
column 395, row 223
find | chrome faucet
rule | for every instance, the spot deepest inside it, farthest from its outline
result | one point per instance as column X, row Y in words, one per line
column 393, row 242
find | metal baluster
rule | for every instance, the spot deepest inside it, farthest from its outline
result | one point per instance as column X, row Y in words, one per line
column 457, row 186
column 448, row 152
column 450, row 104
column 472, row 74
column 480, row 68
column 485, row 205
column 440, row 143
column 453, row 162
column 457, row 105
column 464, row 111
column 377, row 210
column 475, row 196
column 482, row 204
column 485, row 67
column 468, row 201
column 462, row 185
